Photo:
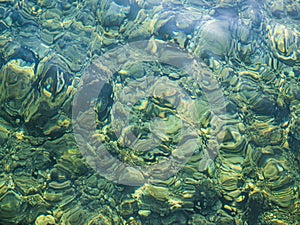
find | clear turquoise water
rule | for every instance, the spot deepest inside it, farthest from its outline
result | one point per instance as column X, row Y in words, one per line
column 149, row 112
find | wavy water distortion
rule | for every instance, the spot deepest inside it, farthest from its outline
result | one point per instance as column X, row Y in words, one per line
column 150, row 112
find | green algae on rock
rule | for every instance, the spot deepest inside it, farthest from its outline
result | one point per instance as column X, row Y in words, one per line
column 235, row 161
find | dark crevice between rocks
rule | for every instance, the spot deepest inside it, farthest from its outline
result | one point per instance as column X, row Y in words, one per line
column 255, row 208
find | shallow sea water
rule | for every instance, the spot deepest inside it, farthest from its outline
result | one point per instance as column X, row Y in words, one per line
column 149, row 112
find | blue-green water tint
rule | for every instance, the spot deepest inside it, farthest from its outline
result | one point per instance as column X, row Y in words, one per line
column 149, row 112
